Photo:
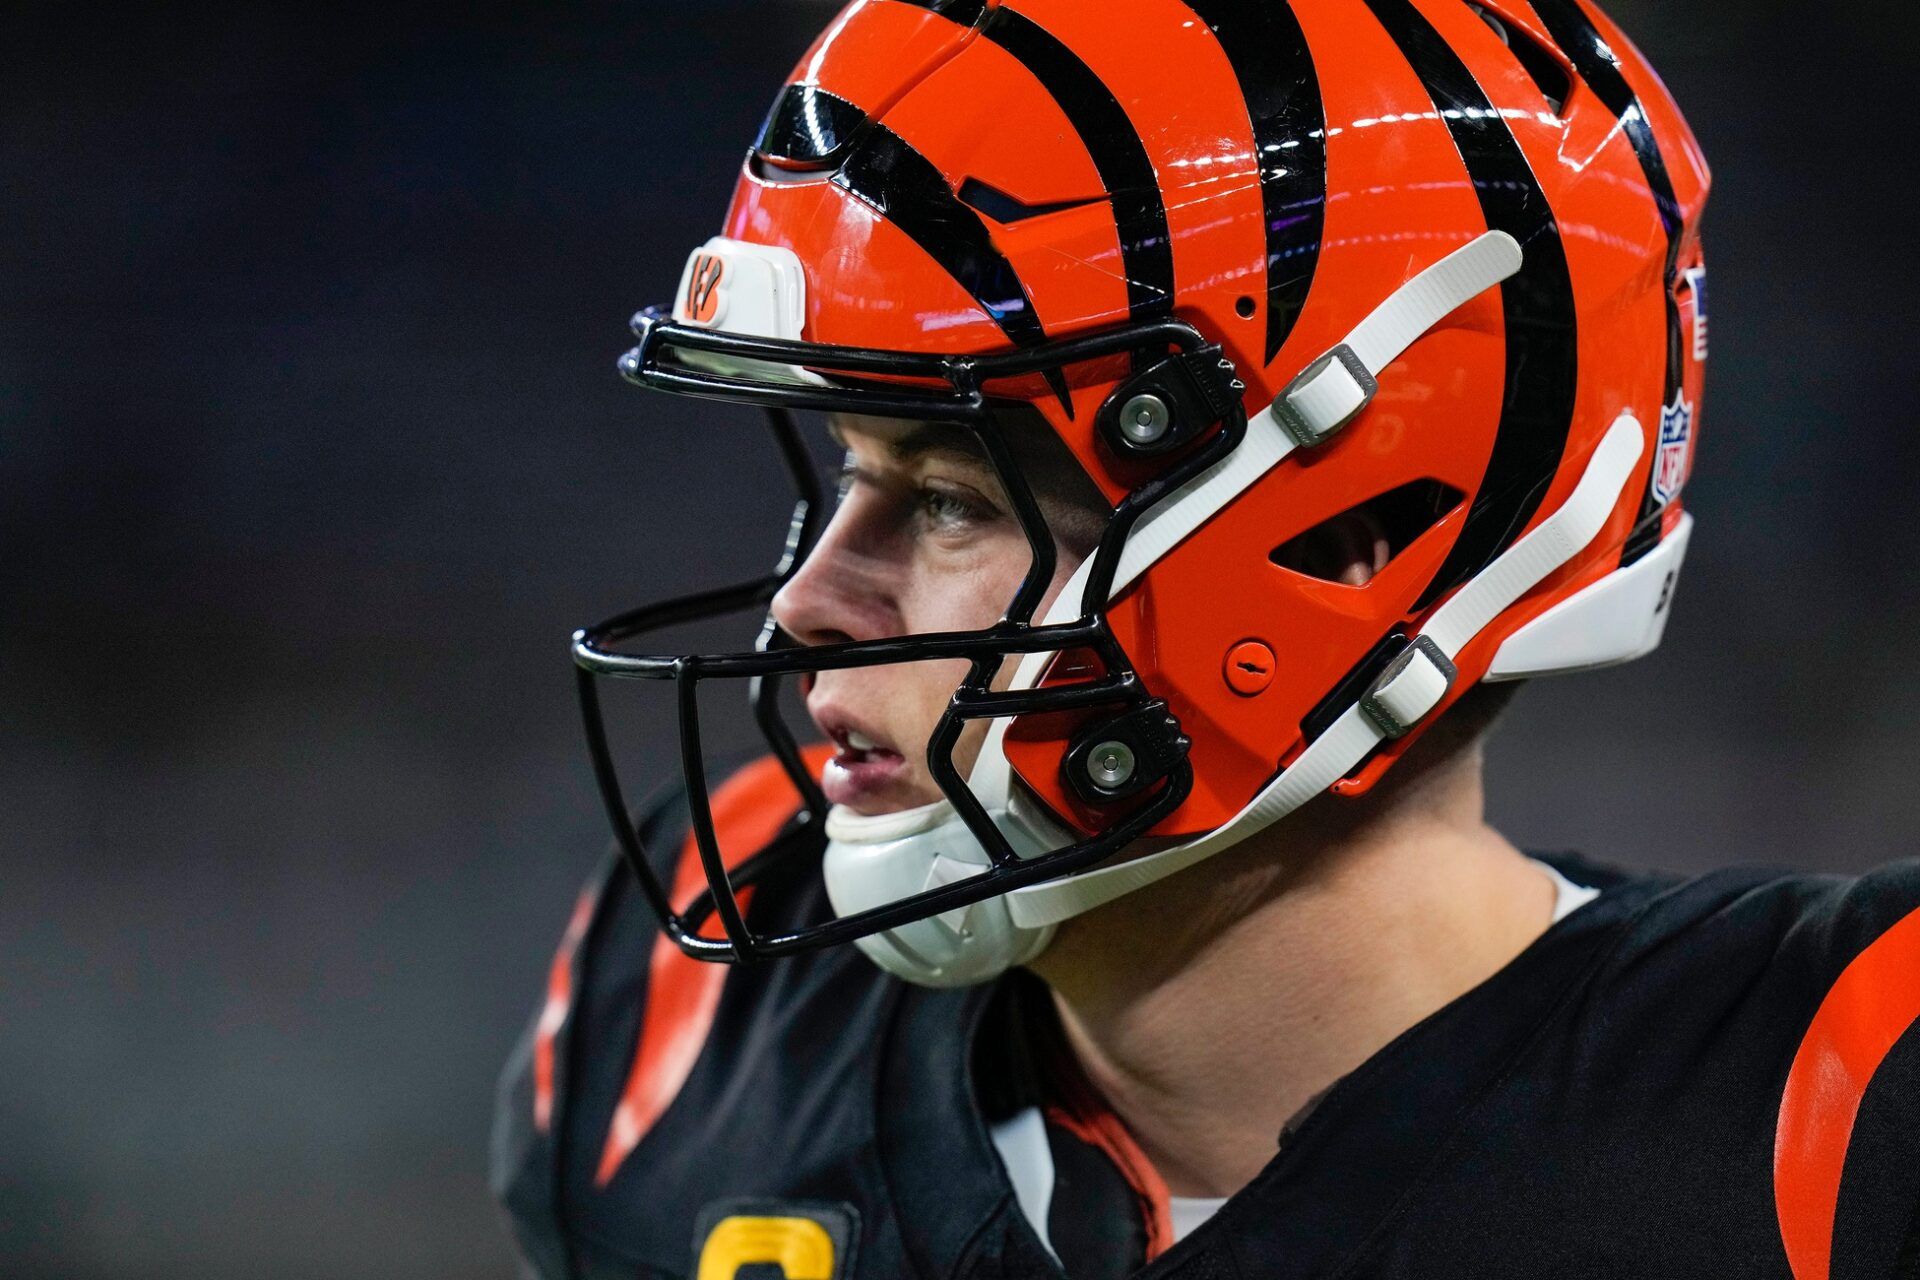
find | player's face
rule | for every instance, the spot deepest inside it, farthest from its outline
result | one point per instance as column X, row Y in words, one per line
column 924, row 540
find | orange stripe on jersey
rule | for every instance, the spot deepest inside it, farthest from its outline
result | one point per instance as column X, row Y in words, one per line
column 682, row 993
column 1077, row 1107
column 1874, row 1001
column 1101, row 1128
column 553, row 1014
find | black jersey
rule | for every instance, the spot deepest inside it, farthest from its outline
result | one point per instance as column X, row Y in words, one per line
column 1683, row 1078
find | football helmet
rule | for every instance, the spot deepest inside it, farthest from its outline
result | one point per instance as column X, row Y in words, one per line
column 1257, row 264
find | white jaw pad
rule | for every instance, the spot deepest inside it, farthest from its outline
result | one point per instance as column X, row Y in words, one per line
column 1408, row 691
column 872, row 861
column 874, row 828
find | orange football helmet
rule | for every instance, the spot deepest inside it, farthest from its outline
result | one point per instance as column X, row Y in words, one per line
column 1257, row 264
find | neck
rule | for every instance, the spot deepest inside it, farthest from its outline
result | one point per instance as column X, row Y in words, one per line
column 1212, row 1009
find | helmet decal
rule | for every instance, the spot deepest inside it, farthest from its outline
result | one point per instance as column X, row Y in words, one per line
column 908, row 191
column 703, row 288
column 1696, row 278
column 1275, row 70
column 1537, row 304
column 1675, row 452
column 1146, row 249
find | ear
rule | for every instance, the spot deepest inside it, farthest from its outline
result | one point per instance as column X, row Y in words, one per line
column 1349, row 549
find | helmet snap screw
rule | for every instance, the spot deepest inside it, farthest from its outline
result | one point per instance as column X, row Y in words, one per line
column 1145, row 419
column 1249, row 667
column 1118, row 758
column 1110, row 764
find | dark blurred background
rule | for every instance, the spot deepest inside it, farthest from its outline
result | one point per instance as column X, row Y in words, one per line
column 311, row 454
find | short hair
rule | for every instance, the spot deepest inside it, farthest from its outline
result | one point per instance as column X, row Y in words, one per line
column 1462, row 727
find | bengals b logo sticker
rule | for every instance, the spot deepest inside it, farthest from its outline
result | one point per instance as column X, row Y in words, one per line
column 702, row 303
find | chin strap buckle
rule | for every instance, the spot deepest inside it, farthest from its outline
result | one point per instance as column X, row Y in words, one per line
column 1331, row 392
column 1325, row 396
column 1413, row 684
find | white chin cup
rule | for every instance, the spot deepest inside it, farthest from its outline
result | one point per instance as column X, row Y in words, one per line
column 875, row 860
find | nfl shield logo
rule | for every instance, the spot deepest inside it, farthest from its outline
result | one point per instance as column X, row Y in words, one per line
column 1676, row 450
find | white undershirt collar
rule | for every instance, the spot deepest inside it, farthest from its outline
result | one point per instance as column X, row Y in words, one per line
column 1022, row 1140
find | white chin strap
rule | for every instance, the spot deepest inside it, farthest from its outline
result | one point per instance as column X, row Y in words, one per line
column 871, row 861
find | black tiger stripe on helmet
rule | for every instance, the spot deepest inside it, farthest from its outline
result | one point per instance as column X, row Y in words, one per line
column 1268, row 52
column 884, row 170
column 961, row 242
column 1111, row 142
column 1536, row 304
column 1133, row 188
column 1597, row 64
column 908, row 190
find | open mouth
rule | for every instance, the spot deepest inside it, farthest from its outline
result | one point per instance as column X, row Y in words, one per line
column 862, row 771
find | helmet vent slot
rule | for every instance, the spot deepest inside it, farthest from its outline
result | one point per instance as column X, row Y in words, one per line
column 1550, row 74
column 1362, row 540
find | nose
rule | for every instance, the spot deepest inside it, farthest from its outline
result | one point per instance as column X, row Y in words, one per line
column 846, row 589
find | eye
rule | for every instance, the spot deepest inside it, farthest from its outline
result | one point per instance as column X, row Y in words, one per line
column 951, row 508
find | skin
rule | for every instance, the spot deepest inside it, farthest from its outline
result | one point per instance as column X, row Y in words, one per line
column 1288, row 962
column 923, row 540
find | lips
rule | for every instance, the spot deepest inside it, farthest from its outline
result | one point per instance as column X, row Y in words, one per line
column 865, row 771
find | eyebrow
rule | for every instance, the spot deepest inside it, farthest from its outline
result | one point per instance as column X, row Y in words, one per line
column 925, row 439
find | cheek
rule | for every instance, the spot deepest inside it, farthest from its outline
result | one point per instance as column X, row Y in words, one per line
column 970, row 594
column 967, row 749
column 963, row 594
column 958, row 597
column 950, row 600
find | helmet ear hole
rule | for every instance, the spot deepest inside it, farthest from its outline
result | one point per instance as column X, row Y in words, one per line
column 1364, row 539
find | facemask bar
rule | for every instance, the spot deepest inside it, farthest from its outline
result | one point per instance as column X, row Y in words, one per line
column 670, row 357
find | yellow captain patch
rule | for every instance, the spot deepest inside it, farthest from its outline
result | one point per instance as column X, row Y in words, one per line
column 806, row 1241
column 800, row 1247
